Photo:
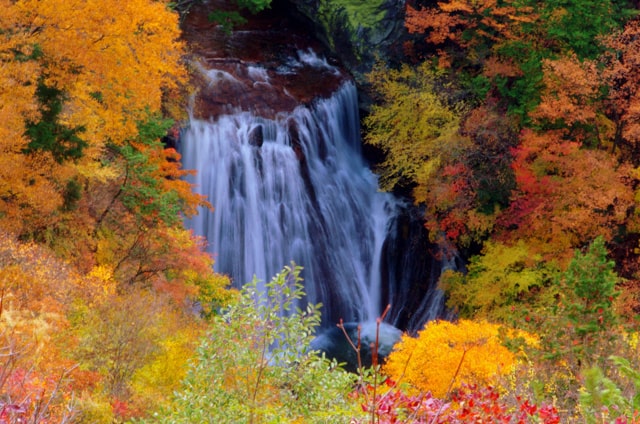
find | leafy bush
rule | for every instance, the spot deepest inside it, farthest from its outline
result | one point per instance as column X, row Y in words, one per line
column 469, row 404
column 256, row 365
column 446, row 354
column 503, row 276
column 603, row 398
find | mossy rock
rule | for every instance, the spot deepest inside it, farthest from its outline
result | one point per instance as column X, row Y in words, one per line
column 358, row 31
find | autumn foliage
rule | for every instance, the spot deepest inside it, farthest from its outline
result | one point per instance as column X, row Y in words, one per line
column 98, row 277
column 85, row 76
column 538, row 188
column 446, row 355
column 544, row 148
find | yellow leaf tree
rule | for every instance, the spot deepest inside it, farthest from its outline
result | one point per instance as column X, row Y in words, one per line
column 413, row 125
column 446, row 355
column 496, row 280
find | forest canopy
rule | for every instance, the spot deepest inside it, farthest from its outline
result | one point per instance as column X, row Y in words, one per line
column 512, row 125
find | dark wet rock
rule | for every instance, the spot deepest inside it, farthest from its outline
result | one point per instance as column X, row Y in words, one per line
column 269, row 65
column 335, row 345
column 256, row 136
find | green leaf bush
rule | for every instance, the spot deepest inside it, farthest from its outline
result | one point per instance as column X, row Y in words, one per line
column 255, row 364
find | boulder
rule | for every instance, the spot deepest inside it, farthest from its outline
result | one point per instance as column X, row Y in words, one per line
column 335, row 345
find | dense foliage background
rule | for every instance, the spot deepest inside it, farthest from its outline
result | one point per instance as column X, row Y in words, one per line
column 512, row 123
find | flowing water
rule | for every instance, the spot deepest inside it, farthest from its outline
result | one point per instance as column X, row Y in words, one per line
column 282, row 165
column 294, row 188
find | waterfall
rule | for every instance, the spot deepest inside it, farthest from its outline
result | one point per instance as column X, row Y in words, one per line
column 296, row 188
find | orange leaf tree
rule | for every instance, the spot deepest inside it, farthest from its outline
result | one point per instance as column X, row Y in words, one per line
column 491, row 43
column 75, row 76
column 83, row 168
column 565, row 195
column 621, row 75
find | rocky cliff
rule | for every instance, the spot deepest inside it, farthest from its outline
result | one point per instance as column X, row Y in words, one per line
column 357, row 31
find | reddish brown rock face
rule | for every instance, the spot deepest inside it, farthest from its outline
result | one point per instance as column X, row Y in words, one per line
column 269, row 65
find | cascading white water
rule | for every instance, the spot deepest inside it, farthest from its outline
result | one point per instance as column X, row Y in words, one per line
column 294, row 188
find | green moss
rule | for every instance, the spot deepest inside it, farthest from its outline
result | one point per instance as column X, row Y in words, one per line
column 350, row 16
column 366, row 13
column 358, row 13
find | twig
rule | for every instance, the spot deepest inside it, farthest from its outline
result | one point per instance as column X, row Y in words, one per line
column 353, row 346
column 374, row 363
column 374, row 358
column 254, row 395
column 453, row 379
column 53, row 394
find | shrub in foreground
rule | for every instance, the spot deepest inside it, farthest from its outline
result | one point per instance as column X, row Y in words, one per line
column 255, row 364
